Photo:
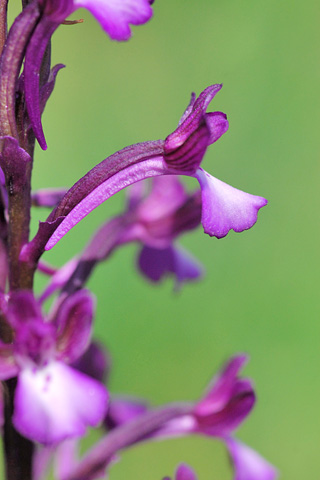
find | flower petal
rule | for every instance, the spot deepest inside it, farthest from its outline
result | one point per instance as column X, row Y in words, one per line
column 227, row 403
column 248, row 464
column 220, row 391
column 145, row 169
column 74, row 323
column 57, row 402
column 155, row 263
column 23, row 309
column 115, row 16
column 191, row 118
column 218, row 125
column 225, row 208
column 166, row 196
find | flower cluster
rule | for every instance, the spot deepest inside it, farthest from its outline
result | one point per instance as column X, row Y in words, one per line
column 54, row 378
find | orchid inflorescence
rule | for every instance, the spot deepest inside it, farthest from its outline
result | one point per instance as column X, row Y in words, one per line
column 54, row 377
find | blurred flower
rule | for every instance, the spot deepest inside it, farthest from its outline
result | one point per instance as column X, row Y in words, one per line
column 152, row 218
column 52, row 400
column 160, row 217
column 226, row 404
column 183, row 472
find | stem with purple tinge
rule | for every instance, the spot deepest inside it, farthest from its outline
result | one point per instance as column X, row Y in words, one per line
column 124, row 436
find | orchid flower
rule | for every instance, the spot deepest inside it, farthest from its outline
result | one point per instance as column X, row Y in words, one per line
column 162, row 216
column 154, row 220
column 226, row 404
column 223, row 207
column 51, row 399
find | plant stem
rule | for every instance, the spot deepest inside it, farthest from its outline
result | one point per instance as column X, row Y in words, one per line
column 3, row 23
column 18, row 450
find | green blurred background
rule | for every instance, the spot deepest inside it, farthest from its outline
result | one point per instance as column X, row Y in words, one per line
column 260, row 293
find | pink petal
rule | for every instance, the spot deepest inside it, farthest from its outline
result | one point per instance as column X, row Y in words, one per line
column 221, row 389
column 248, row 464
column 225, row 208
column 218, row 125
column 57, row 402
column 74, row 323
column 166, row 196
column 155, row 263
column 115, row 16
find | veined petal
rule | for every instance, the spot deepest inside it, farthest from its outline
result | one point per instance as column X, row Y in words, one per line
column 145, row 169
column 115, row 16
column 248, row 464
column 192, row 118
column 74, row 322
column 218, row 125
column 57, row 402
column 186, row 146
column 225, row 208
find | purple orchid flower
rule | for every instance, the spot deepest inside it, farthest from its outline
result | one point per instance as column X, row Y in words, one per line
column 226, row 404
column 53, row 401
column 184, row 472
column 161, row 216
column 153, row 220
column 223, row 207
